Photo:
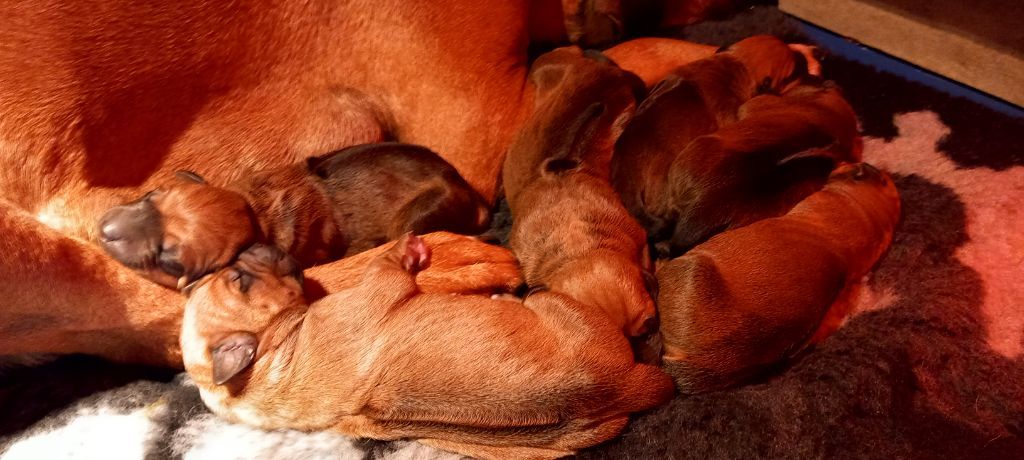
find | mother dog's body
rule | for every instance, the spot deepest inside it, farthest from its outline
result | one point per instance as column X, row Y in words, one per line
column 102, row 101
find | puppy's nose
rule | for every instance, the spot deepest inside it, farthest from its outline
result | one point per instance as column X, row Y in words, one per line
column 112, row 231
column 128, row 222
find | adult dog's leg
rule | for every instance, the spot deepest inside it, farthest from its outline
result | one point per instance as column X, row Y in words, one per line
column 63, row 295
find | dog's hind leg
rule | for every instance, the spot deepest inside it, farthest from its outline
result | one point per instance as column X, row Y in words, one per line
column 63, row 295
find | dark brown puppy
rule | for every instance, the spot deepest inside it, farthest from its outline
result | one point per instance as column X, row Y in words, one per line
column 324, row 209
column 665, row 171
column 570, row 232
column 488, row 378
column 750, row 297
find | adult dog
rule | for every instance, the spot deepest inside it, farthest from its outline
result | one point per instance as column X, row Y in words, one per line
column 100, row 102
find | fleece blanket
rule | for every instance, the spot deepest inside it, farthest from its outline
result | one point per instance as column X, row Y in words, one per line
column 929, row 365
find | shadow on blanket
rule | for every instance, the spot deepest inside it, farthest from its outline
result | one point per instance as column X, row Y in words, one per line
column 914, row 379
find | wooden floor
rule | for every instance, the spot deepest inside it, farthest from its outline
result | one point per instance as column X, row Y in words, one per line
column 979, row 43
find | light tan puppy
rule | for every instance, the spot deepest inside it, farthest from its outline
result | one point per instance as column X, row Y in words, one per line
column 483, row 377
column 570, row 232
column 751, row 297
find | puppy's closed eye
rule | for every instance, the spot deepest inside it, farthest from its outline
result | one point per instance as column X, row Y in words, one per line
column 241, row 279
column 170, row 261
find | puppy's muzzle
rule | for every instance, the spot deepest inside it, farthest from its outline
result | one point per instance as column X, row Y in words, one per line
column 132, row 233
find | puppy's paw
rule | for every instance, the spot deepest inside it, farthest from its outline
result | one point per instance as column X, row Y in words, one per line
column 415, row 253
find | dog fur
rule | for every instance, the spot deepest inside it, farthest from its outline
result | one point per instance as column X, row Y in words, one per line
column 489, row 378
column 320, row 210
column 569, row 230
column 749, row 298
column 741, row 138
column 98, row 110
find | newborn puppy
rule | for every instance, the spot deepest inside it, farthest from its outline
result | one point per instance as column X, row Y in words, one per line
column 780, row 149
column 459, row 264
column 570, row 232
column 329, row 207
column 697, row 98
column 751, row 297
column 655, row 168
column 488, row 378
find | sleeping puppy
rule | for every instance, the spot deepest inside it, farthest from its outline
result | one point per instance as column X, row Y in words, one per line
column 459, row 264
column 751, row 297
column 570, row 232
column 329, row 207
column 780, row 149
column 538, row 378
column 698, row 100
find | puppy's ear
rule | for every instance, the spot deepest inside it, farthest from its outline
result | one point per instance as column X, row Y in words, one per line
column 547, row 76
column 324, row 166
column 312, row 163
column 190, row 177
column 232, row 355
column 828, row 153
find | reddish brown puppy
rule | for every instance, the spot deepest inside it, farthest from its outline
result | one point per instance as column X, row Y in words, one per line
column 482, row 377
column 329, row 207
column 781, row 150
column 751, row 297
column 570, row 232
column 714, row 147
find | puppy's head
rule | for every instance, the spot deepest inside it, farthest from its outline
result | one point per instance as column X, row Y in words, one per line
column 774, row 65
column 871, row 197
column 229, row 313
column 175, row 234
column 582, row 97
column 615, row 284
column 866, row 184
